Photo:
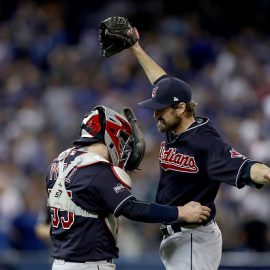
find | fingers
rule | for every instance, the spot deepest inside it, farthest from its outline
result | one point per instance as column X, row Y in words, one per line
column 206, row 212
column 205, row 208
column 203, row 214
column 267, row 177
column 196, row 204
column 202, row 218
column 194, row 212
column 193, row 204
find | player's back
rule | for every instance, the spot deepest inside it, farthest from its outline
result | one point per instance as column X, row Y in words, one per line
column 82, row 238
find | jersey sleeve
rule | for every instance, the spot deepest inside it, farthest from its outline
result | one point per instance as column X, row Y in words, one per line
column 149, row 212
column 245, row 178
column 224, row 163
column 111, row 191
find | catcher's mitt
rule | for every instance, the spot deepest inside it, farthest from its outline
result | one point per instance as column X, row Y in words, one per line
column 138, row 144
column 115, row 35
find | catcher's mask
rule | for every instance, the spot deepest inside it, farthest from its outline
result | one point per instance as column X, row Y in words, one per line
column 112, row 128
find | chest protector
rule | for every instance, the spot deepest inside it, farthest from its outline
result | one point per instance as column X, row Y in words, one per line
column 59, row 198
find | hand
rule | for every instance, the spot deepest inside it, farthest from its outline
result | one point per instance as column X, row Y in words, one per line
column 193, row 212
column 260, row 174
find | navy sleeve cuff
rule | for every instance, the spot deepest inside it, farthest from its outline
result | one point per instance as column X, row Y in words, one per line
column 148, row 212
column 160, row 78
column 245, row 179
column 162, row 213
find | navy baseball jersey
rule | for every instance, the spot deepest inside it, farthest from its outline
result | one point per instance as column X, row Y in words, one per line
column 95, row 188
column 194, row 164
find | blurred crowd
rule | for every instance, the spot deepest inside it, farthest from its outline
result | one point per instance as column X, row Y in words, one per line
column 51, row 74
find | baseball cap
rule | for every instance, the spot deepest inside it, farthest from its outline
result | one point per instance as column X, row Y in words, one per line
column 168, row 92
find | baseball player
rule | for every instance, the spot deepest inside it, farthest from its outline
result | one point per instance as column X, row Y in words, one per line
column 89, row 188
column 194, row 159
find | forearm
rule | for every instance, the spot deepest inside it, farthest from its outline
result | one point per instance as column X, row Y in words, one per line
column 260, row 173
column 152, row 70
column 149, row 212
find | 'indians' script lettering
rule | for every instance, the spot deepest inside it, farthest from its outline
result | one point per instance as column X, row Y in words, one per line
column 171, row 160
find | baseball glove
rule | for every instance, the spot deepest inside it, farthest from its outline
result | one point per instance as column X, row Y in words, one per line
column 115, row 35
column 138, row 144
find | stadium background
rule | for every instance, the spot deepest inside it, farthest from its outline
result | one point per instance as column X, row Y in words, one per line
column 51, row 74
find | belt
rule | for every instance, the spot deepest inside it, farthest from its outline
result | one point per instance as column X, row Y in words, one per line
column 76, row 261
column 167, row 230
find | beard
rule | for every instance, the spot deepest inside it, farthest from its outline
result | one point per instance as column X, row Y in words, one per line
column 169, row 125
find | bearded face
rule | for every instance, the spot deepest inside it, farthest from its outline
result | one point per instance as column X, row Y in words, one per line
column 167, row 120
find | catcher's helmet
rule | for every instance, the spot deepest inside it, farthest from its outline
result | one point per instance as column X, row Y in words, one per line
column 112, row 128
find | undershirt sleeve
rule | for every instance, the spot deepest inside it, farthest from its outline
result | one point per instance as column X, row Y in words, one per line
column 148, row 212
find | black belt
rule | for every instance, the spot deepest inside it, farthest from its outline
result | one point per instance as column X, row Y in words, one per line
column 76, row 261
column 167, row 230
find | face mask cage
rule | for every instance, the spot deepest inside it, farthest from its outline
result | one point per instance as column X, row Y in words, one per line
column 125, row 145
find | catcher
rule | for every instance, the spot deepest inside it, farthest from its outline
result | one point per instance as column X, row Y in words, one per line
column 89, row 188
column 194, row 159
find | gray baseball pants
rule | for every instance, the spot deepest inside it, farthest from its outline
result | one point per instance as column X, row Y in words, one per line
column 100, row 265
column 199, row 248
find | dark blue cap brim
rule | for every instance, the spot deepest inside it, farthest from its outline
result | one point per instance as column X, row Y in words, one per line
column 151, row 104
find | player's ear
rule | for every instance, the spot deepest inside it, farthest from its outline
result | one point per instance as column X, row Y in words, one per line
column 180, row 107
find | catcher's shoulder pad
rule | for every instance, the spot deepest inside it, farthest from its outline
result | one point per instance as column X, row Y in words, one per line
column 122, row 176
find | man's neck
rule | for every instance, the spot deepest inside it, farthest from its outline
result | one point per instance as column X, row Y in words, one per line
column 184, row 125
column 98, row 148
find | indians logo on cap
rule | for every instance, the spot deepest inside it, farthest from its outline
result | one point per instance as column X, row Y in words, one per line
column 154, row 91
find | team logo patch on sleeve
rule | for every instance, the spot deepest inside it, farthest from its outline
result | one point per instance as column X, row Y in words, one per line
column 119, row 188
column 236, row 154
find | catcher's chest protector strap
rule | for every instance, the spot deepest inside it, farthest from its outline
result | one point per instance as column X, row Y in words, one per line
column 58, row 196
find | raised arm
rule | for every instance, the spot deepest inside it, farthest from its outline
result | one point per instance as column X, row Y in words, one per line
column 152, row 70
column 116, row 34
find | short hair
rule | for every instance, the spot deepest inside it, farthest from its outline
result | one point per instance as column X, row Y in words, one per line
column 191, row 108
